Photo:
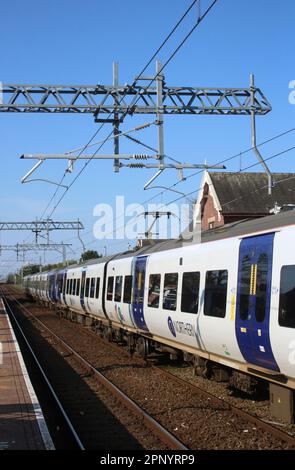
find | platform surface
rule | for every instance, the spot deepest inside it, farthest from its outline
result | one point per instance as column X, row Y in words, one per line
column 22, row 424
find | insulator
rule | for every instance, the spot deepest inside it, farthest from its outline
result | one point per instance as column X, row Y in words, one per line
column 143, row 126
column 141, row 156
column 136, row 165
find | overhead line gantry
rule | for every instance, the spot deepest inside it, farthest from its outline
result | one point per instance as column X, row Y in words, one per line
column 112, row 103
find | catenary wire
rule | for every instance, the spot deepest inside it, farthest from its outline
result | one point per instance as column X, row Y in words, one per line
column 134, row 82
column 101, row 126
column 200, row 19
column 279, row 135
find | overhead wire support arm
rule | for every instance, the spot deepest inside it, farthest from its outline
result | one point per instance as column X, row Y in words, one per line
column 174, row 166
column 65, row 156
column 177, row 166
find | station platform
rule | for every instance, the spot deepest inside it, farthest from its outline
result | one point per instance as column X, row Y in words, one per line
column 22, row 424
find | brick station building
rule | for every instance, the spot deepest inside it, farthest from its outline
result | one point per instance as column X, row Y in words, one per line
column 229, row 197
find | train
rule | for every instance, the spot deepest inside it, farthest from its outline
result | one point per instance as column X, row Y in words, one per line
column 227, row 304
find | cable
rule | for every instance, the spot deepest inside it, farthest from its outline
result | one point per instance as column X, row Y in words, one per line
column 237, row 154
column 134, row 82
column 240, row 171
column 54, row 194
column 139, row 142
column 224, row 204
column 226, row 175
column 251, row 166
column 200, row 19
column 281, row 134
column 256, row 190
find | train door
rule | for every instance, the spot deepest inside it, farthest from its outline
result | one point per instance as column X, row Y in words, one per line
column 59, row 285
column 52, row 292
column 64, row 288
column 139, row 271
column 253, row 300
column 82, row 298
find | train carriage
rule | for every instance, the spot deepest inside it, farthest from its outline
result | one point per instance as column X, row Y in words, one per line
column 228, row 300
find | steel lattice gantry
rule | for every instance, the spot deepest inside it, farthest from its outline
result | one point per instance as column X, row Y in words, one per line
column 41, row 225
column 34, row 247
column 129, row 100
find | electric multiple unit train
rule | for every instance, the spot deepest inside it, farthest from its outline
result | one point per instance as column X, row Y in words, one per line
column 228, row 301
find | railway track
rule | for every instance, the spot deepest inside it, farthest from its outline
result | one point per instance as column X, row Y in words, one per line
column 167, row 438
column 69, row 433
column 242, row 421
column 282, row 435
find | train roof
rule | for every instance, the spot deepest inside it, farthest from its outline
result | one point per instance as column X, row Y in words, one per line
column 248, row 227
column 236, row 229
column 241, row 228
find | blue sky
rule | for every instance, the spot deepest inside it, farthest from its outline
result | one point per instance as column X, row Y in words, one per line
column 75, row 42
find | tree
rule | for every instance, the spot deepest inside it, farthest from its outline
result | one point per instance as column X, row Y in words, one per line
column 10, row 278
column 50, row 267
column 31, row 269
column 90, row 254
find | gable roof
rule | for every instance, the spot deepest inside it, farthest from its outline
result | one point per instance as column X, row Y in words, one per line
column 246, row 193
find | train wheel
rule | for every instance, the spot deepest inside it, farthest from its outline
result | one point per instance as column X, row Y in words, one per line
column 142, row 347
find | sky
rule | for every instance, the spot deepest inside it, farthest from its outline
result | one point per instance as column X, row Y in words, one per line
column 76, row 42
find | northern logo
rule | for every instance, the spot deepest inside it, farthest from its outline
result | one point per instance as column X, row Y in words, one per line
column 171, row 326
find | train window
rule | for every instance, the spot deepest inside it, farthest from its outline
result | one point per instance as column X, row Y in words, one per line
column 154, row 290
column 110, row 288
column 78, row 287
column 97, row 288
column 287, row 297
column 215, row 293
column 64, row 285
column 74, row 286
column 261, row 287
column 244, row 296
column 118, row 288
column 59, row 284
column 170, row 291
column 127, row 289
column 92, row 287
column 68, row 284
column 82, row 285
column 86, row 293
column 190, row 292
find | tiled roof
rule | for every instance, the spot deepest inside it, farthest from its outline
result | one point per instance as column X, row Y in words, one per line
column 247, row 193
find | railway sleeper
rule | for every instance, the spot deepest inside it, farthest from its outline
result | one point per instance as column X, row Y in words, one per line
column 144, row 347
